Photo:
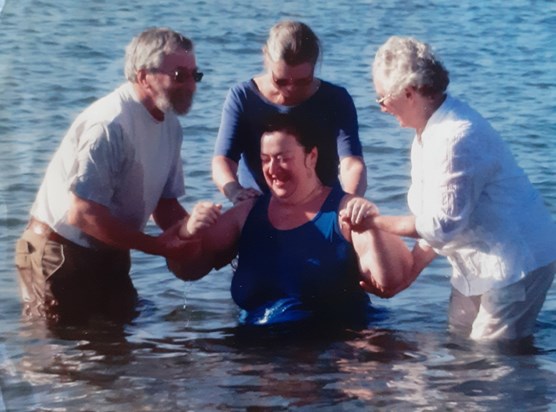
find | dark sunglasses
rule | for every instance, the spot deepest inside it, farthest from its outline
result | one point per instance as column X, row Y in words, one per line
column 305, row 81
column 182, row 75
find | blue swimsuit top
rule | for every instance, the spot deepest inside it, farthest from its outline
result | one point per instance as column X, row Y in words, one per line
column 311, row 268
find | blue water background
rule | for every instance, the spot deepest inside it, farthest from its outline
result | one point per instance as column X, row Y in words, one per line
column 185, row 351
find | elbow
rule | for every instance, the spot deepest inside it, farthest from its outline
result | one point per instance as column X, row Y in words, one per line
column 75, row 218
column 79, row 212
column 186, row 272
column 387, row 293
column 388, row 283
column 381, row 289
column 353, row 173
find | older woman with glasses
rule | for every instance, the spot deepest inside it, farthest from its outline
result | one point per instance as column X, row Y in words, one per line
column 288, row 86
column 469, row 199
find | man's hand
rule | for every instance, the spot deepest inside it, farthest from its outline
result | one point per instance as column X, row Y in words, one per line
column 172, row 246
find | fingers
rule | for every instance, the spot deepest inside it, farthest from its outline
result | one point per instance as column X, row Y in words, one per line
column 203, row 215
column 357, row 210
column 206, row 213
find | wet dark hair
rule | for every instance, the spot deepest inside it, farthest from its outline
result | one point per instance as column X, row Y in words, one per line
column 308, row 132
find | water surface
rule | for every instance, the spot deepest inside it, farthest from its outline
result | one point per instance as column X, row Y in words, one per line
column 185, row 351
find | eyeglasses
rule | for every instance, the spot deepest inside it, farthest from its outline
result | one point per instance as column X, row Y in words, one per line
column 382, row 100
column 304, row 81
column 182, row 75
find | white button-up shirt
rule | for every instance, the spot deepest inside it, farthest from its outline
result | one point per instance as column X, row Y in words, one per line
column 474, row 205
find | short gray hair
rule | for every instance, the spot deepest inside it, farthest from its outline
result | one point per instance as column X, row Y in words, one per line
column 403, row 62
column 292, row 42
column 148, row 49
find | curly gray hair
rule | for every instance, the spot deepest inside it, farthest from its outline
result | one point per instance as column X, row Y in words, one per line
column 403, row 62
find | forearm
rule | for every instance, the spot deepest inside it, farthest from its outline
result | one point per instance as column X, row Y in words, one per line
column 423, row 255
column 385, row 261
column 224, row 173
column 168, row 212
column 353, row 175
column 197, row 262
column 216, row 238
column 398, row 225
column 96, row 221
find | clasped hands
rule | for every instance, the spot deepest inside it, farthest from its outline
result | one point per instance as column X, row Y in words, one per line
column 359, row 213
column 183, row 236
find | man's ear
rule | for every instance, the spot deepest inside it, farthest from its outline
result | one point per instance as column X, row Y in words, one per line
column 141, row 77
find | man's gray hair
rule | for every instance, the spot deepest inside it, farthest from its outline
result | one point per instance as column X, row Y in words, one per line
column 148, row 49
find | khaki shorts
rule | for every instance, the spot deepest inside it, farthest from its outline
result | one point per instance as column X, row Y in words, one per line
column 65, row 282
column 506, row 313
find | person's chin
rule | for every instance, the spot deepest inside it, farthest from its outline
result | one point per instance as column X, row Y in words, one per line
column 181, row 110
column 279, row 189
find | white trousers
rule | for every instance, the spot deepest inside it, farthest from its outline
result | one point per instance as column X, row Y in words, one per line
column 506, row 313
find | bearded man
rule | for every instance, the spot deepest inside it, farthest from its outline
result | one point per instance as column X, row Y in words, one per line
column 118, row 165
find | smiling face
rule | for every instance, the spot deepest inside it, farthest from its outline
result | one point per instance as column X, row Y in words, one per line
column 169, row 92
column 288, row 170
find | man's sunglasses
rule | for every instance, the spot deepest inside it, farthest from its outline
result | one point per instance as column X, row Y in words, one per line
column 182, row 75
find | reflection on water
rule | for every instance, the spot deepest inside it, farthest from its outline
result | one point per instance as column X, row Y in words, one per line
column 185, row 350
column 230, row 369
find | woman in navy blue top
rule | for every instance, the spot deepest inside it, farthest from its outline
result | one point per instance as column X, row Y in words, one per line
column 288, row 86
column 304, row 247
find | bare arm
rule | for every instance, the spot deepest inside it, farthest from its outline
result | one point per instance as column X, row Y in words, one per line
column 384, row 259
column 395, row 268
column 218, row 243
column 398, row 225
column 422, row 256
column 96, row 220
column 224, row 174
column 353, row 175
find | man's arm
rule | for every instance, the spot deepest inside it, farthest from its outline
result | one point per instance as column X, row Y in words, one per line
column 353, row 175
column 96, row 220
column 168, row 212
